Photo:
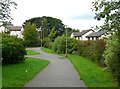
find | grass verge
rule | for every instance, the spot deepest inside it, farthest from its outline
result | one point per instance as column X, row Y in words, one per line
column 32, row 52
column 17, row 75
column 48, row 50
column 92, row 74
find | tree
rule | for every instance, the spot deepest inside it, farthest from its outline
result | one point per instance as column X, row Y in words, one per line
column 52, row 34
column 47, row 23
column 109, row 10
column 30, row 35
column 5, row 11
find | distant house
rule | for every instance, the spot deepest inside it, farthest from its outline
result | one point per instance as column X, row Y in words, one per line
column 97, row 35
column 81, row 35
column 14, row 30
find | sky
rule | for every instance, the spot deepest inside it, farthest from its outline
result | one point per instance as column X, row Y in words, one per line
column 76, row 14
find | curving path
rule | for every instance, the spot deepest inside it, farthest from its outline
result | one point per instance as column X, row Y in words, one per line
column 59, row 73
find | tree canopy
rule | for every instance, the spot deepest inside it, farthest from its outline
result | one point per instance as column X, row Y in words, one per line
column 109, row 10
column 5, row 11
column 30, row 35
column 46, row 24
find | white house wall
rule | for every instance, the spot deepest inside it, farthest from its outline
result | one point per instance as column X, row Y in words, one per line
column 15, row 33
column 84, row 36
column 2, row 29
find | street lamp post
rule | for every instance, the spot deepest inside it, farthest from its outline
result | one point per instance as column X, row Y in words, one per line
column 40, row 30
column 66, row 42
column 41, row 38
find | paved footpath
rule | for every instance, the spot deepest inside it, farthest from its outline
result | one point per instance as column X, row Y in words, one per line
column 59, row 73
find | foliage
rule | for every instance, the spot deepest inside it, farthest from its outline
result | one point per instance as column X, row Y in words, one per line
column 46, row 24
column 47, row 42
column 5, row 10
column 93, row 75
column 21, row 73
column 70, row 31
column 92, row 50
column 30, row 35
column 59, row 44
column 111, row 56
column 52, row 34
column 109, row 11
column 13, row 50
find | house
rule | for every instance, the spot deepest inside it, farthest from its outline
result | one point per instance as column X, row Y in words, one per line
column 14, row 30
column 97, row 35
column 81, row 35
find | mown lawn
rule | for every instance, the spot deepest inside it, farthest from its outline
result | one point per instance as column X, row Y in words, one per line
column 92, row 74
column 16, row 75
column 32, row 52
column 48, row 50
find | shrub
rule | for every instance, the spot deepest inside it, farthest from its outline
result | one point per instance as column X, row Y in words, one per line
column 47, row 42
column 13, row 50
column 112, row 56
column 59, row 45
column 92, row 49
column 30, row 35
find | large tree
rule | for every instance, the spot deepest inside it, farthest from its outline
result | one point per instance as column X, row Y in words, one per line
column 46, row 24
column 30, row 35
column 109, row 11
column 5, row 11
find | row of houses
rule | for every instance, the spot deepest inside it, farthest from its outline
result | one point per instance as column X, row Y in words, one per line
column 89, row 35
column 83, row 35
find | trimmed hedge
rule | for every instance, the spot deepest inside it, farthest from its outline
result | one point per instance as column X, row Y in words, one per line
column 13, row 50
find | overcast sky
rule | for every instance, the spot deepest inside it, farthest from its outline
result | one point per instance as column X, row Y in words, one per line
column 76, row 14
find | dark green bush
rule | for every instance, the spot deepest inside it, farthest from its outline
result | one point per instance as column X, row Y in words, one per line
column 92, row 50
column 59, row 45
column 13, row 50
column 112, row 56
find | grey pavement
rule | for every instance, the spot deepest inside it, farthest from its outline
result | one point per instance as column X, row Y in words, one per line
column 59, row 73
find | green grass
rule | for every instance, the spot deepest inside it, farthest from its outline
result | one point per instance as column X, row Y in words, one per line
column 32, row 52
column 92, row 74
column 16, row 75
column 48, row 50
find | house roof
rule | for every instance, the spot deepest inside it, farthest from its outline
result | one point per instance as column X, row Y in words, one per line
column 76, row 34
column 15, row 28
column 97, row 34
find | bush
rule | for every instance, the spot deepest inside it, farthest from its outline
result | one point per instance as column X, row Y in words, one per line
column 13, row 50
column 112, row 56
column 30, row 35
column 59, row 45
column 92, row 50
column 47, row 42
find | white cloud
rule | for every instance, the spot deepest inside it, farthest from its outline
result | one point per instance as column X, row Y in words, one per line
column 61, row 9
